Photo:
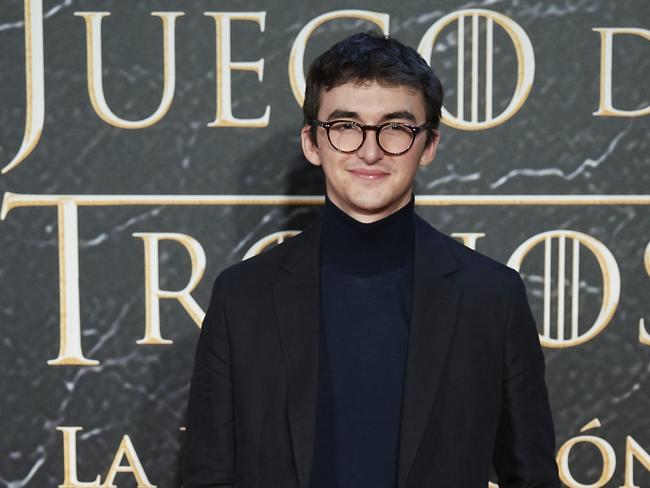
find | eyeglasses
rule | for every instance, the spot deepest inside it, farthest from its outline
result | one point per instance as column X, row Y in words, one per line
column 347, row 136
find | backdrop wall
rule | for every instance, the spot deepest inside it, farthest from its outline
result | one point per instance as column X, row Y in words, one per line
column 146, row 145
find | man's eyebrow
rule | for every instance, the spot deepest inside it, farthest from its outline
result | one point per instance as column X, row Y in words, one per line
column 343, row 114
column 402, row 114
column 347, row 114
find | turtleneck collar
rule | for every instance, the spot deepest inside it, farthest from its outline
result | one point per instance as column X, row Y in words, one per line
column 374, row 248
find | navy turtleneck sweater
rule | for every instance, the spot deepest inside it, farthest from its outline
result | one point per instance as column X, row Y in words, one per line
column 366, row 288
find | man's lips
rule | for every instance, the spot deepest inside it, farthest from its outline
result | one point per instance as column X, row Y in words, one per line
column 368, row 174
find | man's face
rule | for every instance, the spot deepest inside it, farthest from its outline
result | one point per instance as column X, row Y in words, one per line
column 369, row 184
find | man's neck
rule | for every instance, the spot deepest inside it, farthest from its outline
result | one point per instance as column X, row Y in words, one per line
column 366, row 216
column 367, row 248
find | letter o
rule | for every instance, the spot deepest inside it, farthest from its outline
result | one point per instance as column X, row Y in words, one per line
column 606, row 452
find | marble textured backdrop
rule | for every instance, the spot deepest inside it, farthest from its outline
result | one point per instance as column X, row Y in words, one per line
column 553, row 145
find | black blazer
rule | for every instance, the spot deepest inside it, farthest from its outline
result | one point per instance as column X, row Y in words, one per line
column 474, row 392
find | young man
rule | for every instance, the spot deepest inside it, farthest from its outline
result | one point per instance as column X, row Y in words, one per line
column 371, row 350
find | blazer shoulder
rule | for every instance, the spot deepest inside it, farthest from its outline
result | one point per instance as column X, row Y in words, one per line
column 474, row 263
column 263, row 266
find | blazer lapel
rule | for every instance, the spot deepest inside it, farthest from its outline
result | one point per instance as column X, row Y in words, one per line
column 296, row 293
column 433, row 316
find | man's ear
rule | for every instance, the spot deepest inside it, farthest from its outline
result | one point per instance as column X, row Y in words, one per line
column 430, row 150
column 309, row 148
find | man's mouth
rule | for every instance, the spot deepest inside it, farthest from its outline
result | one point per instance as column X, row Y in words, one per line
column 367, row 174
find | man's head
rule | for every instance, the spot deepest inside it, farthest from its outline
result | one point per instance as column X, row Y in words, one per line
column 370, row 80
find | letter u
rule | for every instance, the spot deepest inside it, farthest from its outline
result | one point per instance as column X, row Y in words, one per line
column 94, row 62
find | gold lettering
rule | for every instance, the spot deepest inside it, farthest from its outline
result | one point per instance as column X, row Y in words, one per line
column 525, row 66
column 297, row 55
column 70, row 323
column 469, row 238
column 634, row 450
column 134, row 466
column 644, row 335
column 224, row 116
column 70, row 479
column 93, row 21
column 70, row 352
column 605, row 105
column 606, row 451
column 611, row 284
column 34, row 82
column 153, row 293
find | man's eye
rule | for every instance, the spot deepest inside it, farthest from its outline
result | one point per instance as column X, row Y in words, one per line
column 345, row 126
column 396, row 126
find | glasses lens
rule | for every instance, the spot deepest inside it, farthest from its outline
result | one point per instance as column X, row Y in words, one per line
column 395, row 138
column 345, row 136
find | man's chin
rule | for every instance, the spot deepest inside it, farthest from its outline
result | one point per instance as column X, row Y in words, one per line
column 372, row 206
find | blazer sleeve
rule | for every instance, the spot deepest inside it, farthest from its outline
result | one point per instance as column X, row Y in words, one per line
column 524, row 454
column 208, row 454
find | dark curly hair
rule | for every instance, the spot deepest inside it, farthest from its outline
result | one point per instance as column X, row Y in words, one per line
column 369, row 56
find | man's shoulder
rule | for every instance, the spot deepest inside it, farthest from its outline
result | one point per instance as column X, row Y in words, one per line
column 263, row 266
column 474, row 264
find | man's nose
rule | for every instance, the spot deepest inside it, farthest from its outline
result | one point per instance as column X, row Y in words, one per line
column 370, row 151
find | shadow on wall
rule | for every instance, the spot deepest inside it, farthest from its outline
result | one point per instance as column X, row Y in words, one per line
column 281, row 168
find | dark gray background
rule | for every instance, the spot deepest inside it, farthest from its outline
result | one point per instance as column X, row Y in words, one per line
column 553, row 145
